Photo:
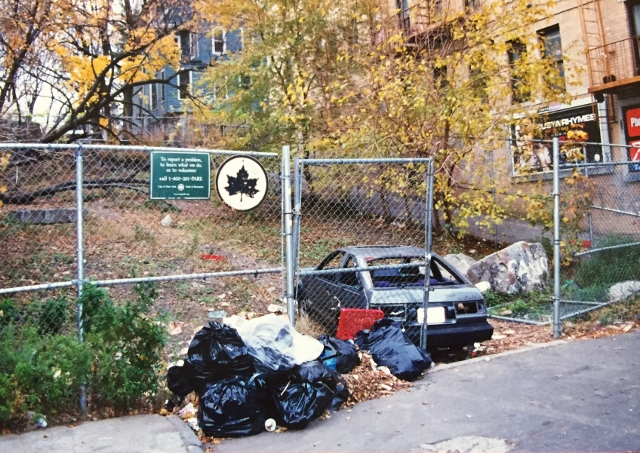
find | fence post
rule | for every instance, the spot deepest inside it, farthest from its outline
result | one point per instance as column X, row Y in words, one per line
column 297, row 206
column 80, row 254
column 427, row 240
column 557, row 327
column 288, row 233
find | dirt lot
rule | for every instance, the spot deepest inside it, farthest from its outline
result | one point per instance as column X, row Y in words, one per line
column 136, row 239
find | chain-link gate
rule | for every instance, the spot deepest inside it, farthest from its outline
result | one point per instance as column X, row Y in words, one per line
column 77, row 214
column 363, row 235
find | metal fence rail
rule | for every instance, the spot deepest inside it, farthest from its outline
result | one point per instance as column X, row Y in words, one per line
column 79, row 214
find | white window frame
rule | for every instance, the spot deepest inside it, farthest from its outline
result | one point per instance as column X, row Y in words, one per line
column 192, row 45
column 214, row 40
column 154, row 96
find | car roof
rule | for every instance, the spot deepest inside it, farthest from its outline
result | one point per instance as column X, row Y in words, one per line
column 370, row 252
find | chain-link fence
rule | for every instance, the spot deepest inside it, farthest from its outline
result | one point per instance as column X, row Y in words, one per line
column 205, row 259
column 211, row 261
column 598, row 221
column 364, row 235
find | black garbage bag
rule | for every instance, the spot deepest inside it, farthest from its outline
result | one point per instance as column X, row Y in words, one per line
column 232, row 407
column 304, row 393
column 340, row 395
column 344, row 352
column 390, row 347
column 216, row 352
column 179, row 379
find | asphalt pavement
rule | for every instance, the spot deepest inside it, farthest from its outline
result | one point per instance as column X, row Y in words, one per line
column 580, row 396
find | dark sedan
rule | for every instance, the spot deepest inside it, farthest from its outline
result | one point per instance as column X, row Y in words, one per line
column 392, row 279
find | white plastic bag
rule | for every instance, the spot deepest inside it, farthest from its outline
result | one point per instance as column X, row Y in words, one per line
column 274, row 342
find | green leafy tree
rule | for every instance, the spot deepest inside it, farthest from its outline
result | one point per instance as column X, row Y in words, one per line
column 281, row 87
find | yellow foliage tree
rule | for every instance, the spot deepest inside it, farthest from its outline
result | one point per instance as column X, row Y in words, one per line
column 341, row 77
column 93, row 56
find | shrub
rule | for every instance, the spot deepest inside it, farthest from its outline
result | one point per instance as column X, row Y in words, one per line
column 53, row 315
column 127, row 345
column 42, row 370
column 39, row 373
column 9, row 313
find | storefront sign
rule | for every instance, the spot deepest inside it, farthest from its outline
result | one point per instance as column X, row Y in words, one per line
column 632, row 121
column 573, row 127
column 185, row 176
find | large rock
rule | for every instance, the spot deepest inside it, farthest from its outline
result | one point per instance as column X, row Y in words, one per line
column 521, row 267
column 460, row 261
column 46, row 216
column 622, row 290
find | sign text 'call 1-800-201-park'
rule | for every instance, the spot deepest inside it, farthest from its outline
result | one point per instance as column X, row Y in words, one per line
column 176, row 175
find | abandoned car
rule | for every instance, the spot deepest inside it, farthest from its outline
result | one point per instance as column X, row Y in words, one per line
column 392, row 279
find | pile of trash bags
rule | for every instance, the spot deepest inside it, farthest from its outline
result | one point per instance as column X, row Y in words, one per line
column 246, row 372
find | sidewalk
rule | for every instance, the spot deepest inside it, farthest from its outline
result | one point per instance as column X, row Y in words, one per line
column 581, row 396
column 137, row 433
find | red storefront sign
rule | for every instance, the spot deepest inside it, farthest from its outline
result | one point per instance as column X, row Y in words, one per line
column 633, row 122
column 634, row 152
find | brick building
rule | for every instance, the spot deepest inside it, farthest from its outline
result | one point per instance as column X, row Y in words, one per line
column 597, row 40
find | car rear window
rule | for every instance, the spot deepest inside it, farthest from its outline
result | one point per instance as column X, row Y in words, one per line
column 409, row 276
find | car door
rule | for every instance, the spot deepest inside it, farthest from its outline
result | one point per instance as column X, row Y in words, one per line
column 349, row 289
column 320, row 289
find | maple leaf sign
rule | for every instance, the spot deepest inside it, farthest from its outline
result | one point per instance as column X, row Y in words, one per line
column 242, row 184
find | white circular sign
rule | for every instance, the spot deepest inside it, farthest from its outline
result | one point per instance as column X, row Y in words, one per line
column 242, row 183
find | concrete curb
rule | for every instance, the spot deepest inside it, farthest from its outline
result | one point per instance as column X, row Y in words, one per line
column 487, row 358
column 187, row 435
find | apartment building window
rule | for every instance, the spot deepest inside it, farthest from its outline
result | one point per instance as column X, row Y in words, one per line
column 154, row 96
column 184, row 86
column 244, row 82
column 516, row 51
column 440, row 77
column 471, row 5
column 162, row 88
column 478, row 83
column 634, row 26
column 553, row 51
column 403, row 14
column 219, row 44
column 188, row 45
column 437, row 9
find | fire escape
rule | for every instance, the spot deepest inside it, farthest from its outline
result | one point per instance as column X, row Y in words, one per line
column 613, row 67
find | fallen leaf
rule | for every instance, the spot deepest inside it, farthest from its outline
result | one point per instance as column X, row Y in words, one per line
column 175, row 328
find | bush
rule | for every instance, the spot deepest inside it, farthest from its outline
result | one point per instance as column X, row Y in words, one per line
column 52, row 316
column 127, row 347
column 39, row 373
column 41, row 370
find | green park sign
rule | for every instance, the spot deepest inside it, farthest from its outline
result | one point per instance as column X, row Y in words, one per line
column 176, row 175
